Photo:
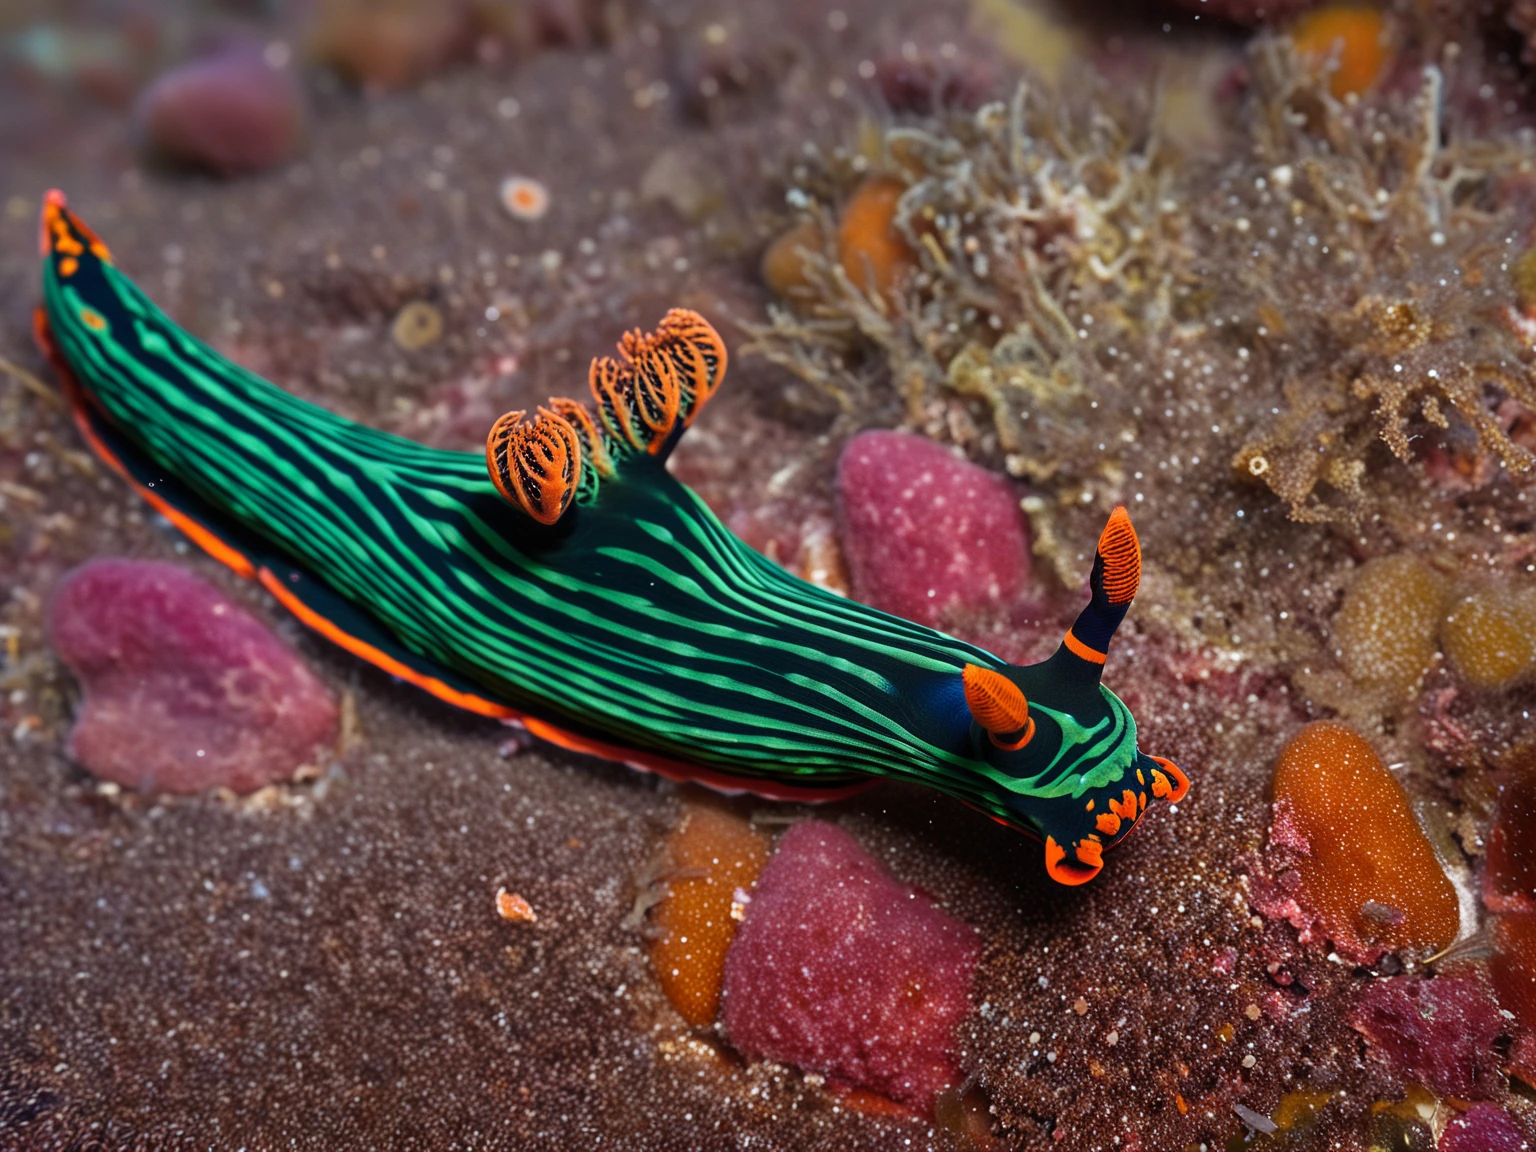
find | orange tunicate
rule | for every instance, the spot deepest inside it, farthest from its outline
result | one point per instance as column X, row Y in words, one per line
column 1513, row 966
column 1490, row 635
column 711, row 853
column 784, row 259
column 1385, row 630
column 873, row 253
column 1367, row 870
column 1361, row 37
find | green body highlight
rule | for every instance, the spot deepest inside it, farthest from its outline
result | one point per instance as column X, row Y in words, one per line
column 637, row 622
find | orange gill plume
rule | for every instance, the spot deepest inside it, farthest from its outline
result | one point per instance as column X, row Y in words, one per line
column 537, row 465
column 698, row 352
column 1121, row 551
column 612, row 387
column 694, row 349
column 999, row 706
column 657, row 397
column 594, row 452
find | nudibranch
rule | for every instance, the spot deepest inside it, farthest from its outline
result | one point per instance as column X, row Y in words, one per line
column 568, row 583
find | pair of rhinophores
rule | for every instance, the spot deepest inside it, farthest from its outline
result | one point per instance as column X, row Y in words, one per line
column 582, row 592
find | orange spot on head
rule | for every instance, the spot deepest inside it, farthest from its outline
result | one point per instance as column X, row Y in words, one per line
column 61, row 231
column 997, row 704
column 92, row 319
column 1361, row 37
column 1180, row 782
column 1059, row 870
column 1108, row 823
column 68, row 266
column 1121, row 551
column 1090, row 852
column 1369, row 874
column 1089, row 806
column 710, row 854
column 1160, row 785
column 1125, row 807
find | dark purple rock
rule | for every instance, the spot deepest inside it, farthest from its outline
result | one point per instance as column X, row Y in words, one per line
column 1483, row 1128
column 1438, row 1032
column 184, row 690
column 1269, row 12
column 839, row 969
column 230, row 112
column 925, row 533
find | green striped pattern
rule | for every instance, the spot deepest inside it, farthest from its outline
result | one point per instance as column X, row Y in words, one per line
column 639, row 619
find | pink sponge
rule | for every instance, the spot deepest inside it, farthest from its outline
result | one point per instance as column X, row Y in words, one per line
column 924, row 532
column 1483, row 1128
column 1440, row 1032
column 839, row 969
column 184, row 690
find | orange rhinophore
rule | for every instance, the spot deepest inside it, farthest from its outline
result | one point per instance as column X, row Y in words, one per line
column 999, row 706
column 536, row 466
column 1121, row 551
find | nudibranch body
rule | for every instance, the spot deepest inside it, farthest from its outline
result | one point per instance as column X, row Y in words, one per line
column 582, row 591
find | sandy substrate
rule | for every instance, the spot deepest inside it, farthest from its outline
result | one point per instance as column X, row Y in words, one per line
column 322, row 966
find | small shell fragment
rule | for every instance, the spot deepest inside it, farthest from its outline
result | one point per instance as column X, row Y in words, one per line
column 524, row 198
column 511, row 906
column 416, row 325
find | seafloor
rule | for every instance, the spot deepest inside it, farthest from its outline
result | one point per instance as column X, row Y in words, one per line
column 319, row 967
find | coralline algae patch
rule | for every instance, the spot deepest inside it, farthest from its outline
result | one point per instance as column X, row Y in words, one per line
column 823, row 960
column 1357, row 868
column 925, row 533
column 712, row 859
column 1441, row 1033
column 184, row 689
column 841, row 970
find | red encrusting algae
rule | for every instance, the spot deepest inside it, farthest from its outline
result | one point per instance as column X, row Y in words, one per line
column 841, row 969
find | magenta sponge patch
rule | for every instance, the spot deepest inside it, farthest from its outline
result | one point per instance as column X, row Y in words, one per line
column 842, row 970
column 184, row 689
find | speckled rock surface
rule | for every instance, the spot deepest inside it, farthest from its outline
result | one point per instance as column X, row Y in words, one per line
column 926, row 533
column 842, row 970
column 184, row 690
column 320, row 965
